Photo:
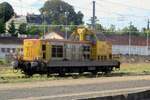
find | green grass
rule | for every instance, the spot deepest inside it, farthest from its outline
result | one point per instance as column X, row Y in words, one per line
column 8, row 76
column 135, row 68
column 2, row 61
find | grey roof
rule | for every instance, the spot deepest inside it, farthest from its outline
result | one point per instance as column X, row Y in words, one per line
column 12, row 40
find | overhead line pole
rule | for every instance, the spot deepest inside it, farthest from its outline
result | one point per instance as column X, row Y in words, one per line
column 130, row 41
column 93, row 18
column 147, row 36
column 44, row 26
column 66, row 27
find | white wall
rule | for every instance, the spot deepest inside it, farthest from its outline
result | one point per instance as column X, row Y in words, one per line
column 6, row 46
column 126, row 49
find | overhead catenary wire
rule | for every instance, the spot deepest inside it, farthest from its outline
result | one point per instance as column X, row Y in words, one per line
column 103, row 11
column 76, row 26
column 121, row 14
column 124, row 5
column 118, row 14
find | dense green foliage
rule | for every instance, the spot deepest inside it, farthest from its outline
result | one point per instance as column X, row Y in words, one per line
column 22, row 28
column 6, row 11
column 2, row 26
column 12, row 29
column 60, row 13
column 35, row 30
column 132, row 29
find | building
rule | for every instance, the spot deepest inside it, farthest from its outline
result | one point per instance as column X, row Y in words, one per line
column 18, row 20
column 29, row 19
column 135, row 45
column 54, row 35
column 10, row 45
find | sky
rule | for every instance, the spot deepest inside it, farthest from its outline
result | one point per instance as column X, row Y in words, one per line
column 117, row 12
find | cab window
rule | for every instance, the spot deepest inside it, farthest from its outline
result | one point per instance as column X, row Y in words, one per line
column 57, row 51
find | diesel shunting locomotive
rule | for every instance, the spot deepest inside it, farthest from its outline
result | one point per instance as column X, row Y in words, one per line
column 82, row 52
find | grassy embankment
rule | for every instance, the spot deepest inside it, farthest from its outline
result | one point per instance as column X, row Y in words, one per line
column 135, row 68
column 7, row 75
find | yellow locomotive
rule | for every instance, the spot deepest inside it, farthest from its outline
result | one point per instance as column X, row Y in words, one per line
column 83, row 52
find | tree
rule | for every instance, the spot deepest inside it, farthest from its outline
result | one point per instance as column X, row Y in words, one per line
column 60, row 12
column 6, row 11
column 12, row 29
column 145, row 32
column 79, row 18
column 34, row 30
column 131, row 29
column 22, row 28
column 2, row 26
column 111, row 29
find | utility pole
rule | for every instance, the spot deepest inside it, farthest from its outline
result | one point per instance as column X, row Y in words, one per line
column 147, row 40
column 66, row 26
column 93, row 18
column 66, row 36
column 130, row 40
column 44, row 26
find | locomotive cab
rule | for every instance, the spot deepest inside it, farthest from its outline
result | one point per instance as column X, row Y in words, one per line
column 36, row 53
column 36, row 49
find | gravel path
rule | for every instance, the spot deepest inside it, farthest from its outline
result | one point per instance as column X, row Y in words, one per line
column 60, row 90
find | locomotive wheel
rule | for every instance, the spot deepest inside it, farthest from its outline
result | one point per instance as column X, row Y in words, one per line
column 48, row 75
column 107, row 70
column 94, row 72
column 28, row 75
column 61, row 74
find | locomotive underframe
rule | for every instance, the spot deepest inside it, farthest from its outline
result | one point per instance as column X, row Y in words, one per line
column 63, row 67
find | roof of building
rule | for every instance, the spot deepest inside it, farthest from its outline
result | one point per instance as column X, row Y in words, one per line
column 124, row 40
column 114, row 39
column 18, row 19
column 62, row 34
column 53, row 35
column 12, row 40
